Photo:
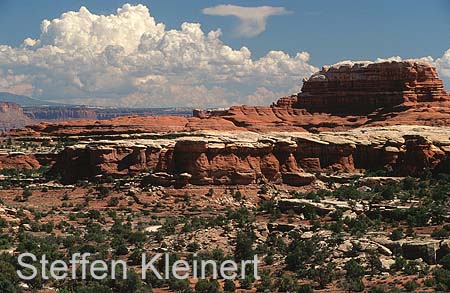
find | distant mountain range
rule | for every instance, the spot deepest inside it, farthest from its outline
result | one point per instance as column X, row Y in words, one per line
column 24, row 101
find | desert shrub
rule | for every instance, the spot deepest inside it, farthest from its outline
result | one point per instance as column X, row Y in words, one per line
column 244, row 244
column 179, row 285
column 411, row 286
column 358, row 225
column 27, row 193
column 353, row 269
column 376, row 289
column 347, row 192
column 445, row 262
column 442, row 279
column 229, row 286
column 113, row 202
column 206, row 286
column 440, row 233
column 102, row 191
column 397, row 234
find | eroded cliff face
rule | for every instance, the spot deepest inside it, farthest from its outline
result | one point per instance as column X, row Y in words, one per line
column 60, row 113
column 11, row 116
column 350, row 88
column 210, row 157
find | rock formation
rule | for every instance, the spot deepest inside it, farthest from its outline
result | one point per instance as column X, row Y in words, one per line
column 350, row 95
column 67, row 112
column 340, row 97
column 322, row 129
column 352, row 88
column 60, row 113
column 11, row 116
column 211, row 157
column 18, row 161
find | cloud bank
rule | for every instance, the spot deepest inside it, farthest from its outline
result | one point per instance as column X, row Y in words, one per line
column 128, row 59
column 252, row 20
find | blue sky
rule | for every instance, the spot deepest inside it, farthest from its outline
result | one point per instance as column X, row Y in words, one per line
column 328, row 30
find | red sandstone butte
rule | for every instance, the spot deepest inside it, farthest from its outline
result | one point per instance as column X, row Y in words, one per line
column 350, row 88
column 350, row 95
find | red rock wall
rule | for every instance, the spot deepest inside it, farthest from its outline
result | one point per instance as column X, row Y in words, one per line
column 336, row 98
column 60, row 113
column 200, row 163
column 18, row 161
column 230, row 165
column 362, row 88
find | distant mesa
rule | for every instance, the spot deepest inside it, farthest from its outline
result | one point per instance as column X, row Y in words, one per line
column 32, row 111
column 24, row 101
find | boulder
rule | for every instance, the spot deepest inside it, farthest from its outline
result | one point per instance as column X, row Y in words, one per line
column 298, row 179
column 300, row 205
column 421, row 249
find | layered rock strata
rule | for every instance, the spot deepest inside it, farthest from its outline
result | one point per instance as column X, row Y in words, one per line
column 322, row 129
column 211, row 157
column 350, row 88
column 350, row 95
column 60, row 113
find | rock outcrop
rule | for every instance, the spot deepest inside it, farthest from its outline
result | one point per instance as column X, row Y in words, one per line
column 124, row 125
column 19, row 161
column 60, row 113
column 351, row 95
column 212, row 157
column 11, row 116
column 352, row 88
column 68, row 112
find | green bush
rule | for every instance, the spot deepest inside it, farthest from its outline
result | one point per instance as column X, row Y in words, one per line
column 397, row 234
column 411, row 286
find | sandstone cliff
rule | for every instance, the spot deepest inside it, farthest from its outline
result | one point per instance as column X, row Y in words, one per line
column 60, row 113
column 211, row 157
column 349, row 88
column 350, row 95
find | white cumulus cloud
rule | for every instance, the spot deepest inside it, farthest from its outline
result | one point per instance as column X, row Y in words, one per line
column 128, row 59
column 252, row 20
column 443, row 65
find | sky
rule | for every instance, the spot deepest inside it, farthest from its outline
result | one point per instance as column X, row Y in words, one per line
column 204, row 53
